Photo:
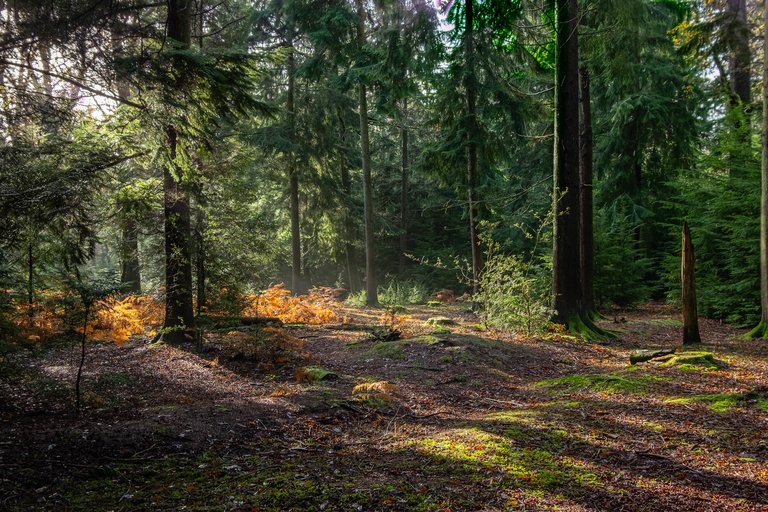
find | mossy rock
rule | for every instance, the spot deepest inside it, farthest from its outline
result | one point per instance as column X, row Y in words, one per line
column 690, row 359
column 440, row 320
column 313, row 374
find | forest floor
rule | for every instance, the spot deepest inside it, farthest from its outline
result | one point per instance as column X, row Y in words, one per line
column 450, row 418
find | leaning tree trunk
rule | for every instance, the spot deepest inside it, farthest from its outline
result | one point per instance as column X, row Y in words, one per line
column 688, row 277
column 761, row 330
column 472, row 133
column 179, row 315
column 371, row 293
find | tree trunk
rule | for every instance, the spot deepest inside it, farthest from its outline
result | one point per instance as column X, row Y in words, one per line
column 350, row 254
column 740, row 58
column 566, row 276
column 761, row 331
column 587, row 236
column 471, row 93
column 179, row 315
column 130, row 276
column 82, row 357
column 30, row 283
column 202, row 298
column 371, row 294
column 297, row 287
column 688, row 277
column 404, row 191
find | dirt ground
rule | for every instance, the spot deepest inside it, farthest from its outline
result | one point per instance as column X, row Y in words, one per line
column 453, row 417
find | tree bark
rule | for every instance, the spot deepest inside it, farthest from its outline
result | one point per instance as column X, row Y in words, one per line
column 761, row 331
column 764, row 180
column 566, row 274
column 297, row 286
column 202, row 297
column 404, row 190
column 179, row 315
column 472, row 134
column 350, row 254
column 587, row 235
column 130, row 276
column 371, row 293
column 688, row 278
column 740, row 58
column 30, row 282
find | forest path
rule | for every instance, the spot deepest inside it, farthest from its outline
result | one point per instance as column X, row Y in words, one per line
column 450, row 418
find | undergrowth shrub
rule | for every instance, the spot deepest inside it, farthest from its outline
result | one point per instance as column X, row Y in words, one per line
column 313, row 308
column 515, row 294
column 394, row 293
column 117, row 319
column 269, row 345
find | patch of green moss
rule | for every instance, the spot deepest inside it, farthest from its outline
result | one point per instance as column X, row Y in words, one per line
column 388, row 349
column 600, row 383
column 724, row 402
column 477, row 451
column 426, row 339
column 664, row 322
column 693, row 360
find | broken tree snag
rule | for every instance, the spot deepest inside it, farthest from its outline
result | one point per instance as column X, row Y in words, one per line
column 690, row 315
column 642, row 356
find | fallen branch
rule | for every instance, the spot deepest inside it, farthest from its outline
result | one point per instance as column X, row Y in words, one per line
column 642, row 356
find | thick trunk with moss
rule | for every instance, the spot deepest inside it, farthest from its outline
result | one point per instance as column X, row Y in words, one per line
column 566, row 271
column 688, row 278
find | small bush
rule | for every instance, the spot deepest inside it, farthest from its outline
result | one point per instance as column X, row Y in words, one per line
column 277, row 301
column 515, row 294
column 395, row 293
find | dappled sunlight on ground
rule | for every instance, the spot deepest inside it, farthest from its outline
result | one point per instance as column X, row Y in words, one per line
column 451, row 418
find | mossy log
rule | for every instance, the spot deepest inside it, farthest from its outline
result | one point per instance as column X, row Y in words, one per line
column 642, row 356
column 440, row 320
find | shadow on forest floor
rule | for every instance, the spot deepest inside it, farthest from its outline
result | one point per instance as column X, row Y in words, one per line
column 471, row 420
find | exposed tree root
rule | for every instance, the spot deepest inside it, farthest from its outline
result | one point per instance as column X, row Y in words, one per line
column 584, row 326
column 760, row 331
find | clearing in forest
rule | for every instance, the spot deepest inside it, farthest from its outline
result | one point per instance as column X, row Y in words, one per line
column 451, row 417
